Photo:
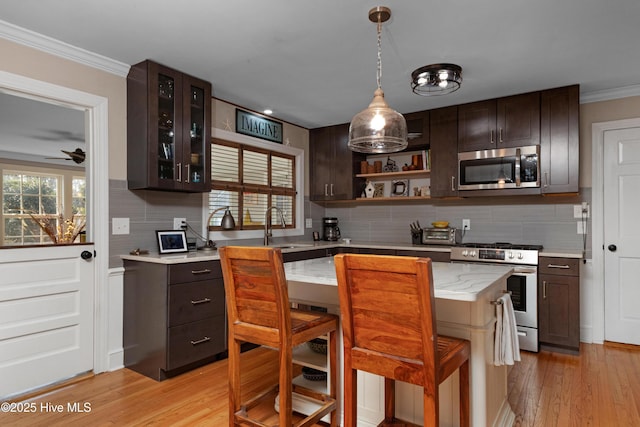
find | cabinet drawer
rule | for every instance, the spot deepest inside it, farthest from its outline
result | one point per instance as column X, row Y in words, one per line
column 189, row 302
column 559, row 266
column 194, row 271
column 195, row 341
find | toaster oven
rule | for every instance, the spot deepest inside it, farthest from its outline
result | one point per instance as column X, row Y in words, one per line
column 441, row 236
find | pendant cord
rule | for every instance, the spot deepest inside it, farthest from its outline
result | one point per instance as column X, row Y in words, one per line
column 379, row 70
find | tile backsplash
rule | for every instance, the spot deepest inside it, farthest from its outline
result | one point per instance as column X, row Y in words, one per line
column 531, row 220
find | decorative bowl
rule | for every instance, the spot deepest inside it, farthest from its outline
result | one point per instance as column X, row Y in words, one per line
column 313, row 374
column 318, row 345
column 440, row 224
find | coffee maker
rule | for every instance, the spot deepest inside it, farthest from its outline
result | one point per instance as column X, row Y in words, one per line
column 331, row 231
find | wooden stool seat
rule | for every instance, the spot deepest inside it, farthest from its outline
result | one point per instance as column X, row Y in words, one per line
column 259, row 312
column 389, row 329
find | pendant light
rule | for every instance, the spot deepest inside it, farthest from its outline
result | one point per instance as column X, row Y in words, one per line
column 436, row 79
column 379, row 128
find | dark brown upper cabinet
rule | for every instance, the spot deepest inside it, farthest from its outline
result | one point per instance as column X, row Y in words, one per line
column 333, row 165
column 512, row 121
column 444, row 151
column 560, row 140
column 168, row 129
column 417, row 130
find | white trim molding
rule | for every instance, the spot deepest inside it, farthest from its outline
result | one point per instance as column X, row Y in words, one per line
column 609, row 94
column 597, row 218
column 61, row 49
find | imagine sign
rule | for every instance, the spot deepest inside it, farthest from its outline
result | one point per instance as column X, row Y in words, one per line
column 252, row 125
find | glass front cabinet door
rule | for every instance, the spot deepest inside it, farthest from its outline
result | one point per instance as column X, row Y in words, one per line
column 168, row 121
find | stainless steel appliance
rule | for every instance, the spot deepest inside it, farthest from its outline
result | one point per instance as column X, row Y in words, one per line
column 522, row 284
column 331, row 231
column 441, row 236
column 499, row 168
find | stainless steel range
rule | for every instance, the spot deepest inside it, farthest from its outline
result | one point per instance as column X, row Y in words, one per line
column 522, row 284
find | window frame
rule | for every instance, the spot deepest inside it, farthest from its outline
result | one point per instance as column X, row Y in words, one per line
column 298, row 202
column 65, row 177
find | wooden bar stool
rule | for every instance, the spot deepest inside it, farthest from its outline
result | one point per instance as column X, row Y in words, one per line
column 389, row 329
column 259, row 312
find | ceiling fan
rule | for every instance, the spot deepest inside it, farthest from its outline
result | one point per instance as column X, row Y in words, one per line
column 77, row 155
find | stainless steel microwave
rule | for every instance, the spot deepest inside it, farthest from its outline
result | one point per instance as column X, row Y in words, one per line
column 499, row 168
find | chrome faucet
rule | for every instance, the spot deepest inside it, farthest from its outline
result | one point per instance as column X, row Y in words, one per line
column 267, row 219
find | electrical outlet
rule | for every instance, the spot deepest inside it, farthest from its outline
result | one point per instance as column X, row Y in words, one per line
column 579, row 210
column 466, row 224
column 308, row 222
column 177, row 223
column 119, row 225
column 580, row 227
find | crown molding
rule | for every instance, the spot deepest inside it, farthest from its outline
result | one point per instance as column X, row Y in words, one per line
column 609, row 94
column 64, row 50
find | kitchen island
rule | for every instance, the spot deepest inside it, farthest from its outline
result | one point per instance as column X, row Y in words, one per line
column 464, row 293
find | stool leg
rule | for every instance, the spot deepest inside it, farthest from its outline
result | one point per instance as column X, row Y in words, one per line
column 234, row 379
column 464, row 394
column 285, row 385
column 333, row 375
column 389, row 400
column 350, row 393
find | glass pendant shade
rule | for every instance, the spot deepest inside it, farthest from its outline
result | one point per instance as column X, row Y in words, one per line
column 378, row 128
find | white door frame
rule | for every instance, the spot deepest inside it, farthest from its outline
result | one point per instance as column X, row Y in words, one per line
column 597, row 218
column 97, row 147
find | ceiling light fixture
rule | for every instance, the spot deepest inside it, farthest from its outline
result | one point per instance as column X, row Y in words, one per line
column 379, row 128
column 436, row 79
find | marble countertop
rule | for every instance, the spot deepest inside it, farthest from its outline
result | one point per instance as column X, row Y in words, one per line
column 454, row 281
column 195, row 256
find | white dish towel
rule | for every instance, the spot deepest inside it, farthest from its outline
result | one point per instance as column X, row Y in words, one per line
column 507, row 347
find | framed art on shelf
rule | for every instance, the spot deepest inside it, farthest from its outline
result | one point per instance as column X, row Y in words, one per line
column 172, row 241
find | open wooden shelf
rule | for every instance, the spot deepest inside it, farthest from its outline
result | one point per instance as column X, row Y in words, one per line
column 402, row 174
column 395, row 198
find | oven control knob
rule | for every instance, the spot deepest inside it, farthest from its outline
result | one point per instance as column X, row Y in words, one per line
column 511, row 255
column 520, row 256
column 465, row 252
column 473, row 254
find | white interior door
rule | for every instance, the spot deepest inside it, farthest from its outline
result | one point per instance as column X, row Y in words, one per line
column 46, row 316
column 622, row 235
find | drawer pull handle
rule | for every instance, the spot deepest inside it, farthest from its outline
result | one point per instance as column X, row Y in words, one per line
column 200, row 301
column 565, row 267
column 202, row 341
column 203, row 271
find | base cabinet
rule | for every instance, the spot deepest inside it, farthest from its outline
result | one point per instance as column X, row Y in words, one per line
column 559, row 303
column 174, row 316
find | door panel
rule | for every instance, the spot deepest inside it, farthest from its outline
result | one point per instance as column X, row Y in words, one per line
column 621, row 237
column 46, row 316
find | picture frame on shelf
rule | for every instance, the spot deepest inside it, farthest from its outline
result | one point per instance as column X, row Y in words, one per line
column 378, row 189
column 172, row 241
column 400, row 188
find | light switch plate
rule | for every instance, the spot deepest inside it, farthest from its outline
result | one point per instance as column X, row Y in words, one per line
column 119, row 225
column 308, row 222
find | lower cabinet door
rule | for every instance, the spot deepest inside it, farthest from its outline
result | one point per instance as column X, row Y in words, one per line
column 195, row 341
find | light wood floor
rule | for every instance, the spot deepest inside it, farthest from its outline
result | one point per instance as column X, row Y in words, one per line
column 600, row 387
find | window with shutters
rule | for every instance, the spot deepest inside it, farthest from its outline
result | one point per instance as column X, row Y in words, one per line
column 249, row 180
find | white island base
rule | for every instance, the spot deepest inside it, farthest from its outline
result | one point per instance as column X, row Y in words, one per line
column 464, row 293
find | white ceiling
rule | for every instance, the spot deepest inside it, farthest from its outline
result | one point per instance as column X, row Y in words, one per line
column 313, row 62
